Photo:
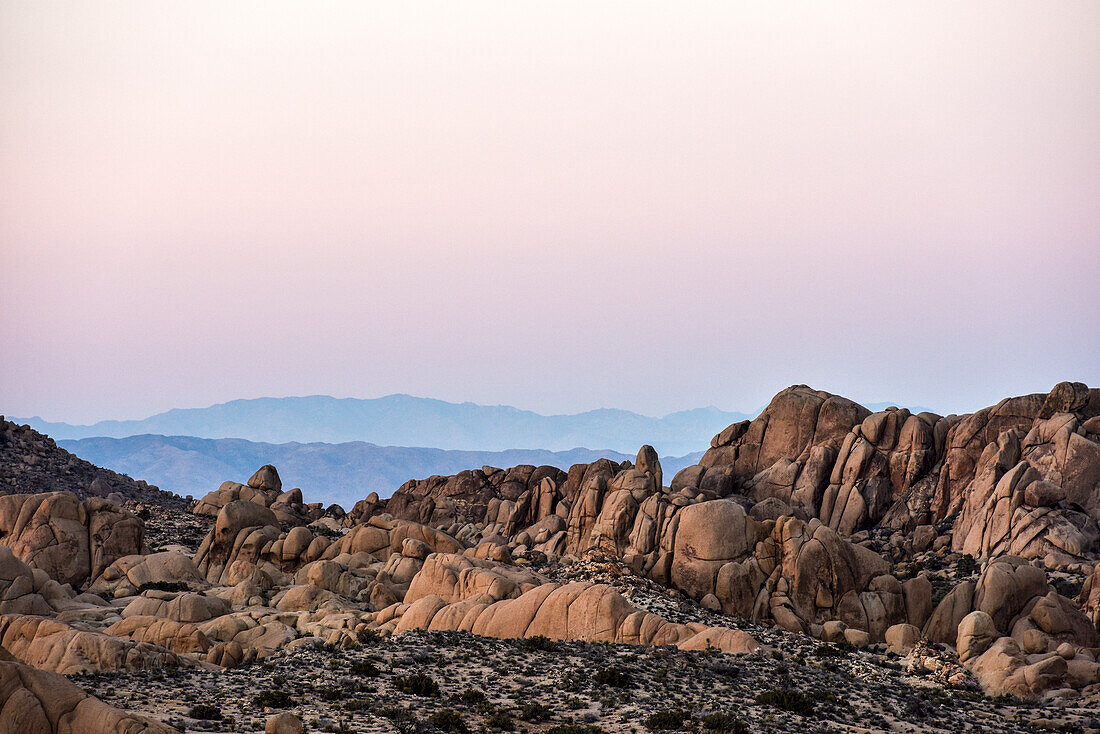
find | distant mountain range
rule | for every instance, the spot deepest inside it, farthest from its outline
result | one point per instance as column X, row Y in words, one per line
column 341, row 449
column 342, row 473
column 404, row 420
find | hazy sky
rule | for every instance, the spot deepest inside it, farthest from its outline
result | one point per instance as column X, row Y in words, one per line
column 559, row 206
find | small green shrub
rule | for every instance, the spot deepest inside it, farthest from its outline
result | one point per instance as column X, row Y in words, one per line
column 834, row 650
column 395, row 713
column 572, row 680
column 367, row 637
column 787, row 699
column 725, row 723
column 672, row 719
column 205, row 712
column 273, row 698
column 967, row 566
column 500, row 721
column 827, row 697
column 574, row 729
column 365, row 668
column 538, row 643
column 1066, row 587
column 614, row 677
column 417, row 684
column 449, row 720
column 163, row 586
column 471, row 696
column 535, row 711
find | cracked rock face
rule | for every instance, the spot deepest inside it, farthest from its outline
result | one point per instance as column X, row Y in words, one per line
column 71, row 540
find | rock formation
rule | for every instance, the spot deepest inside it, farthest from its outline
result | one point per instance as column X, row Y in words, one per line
column 34, row 701
column 71, row 540
column 972, row 537
column 264, row 488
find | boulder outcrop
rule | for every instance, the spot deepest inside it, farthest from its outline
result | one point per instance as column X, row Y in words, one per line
column 818, row 517
column 1015, row 634
column 486, row 602
column 72, row 540
column 1035, row 495
column 53, row 645
column 130, row 574
column 263, row 488
column 34, row 701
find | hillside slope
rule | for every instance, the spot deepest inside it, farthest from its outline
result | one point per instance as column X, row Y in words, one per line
column 31, row 462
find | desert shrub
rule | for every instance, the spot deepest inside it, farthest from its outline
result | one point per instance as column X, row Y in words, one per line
column 330, row 693
column 670, row 719
column 827, row 697
column 449, row 720
column 538, row 643
column 393, row 713
column 272, row 698
column 614, row 677
column 834, row 650
column 417, row 684
column 571, row 680
column 787, row 699
column 967, row 565
column 471, row 696
column 725, row 723
column 933, row 563
column 365, row 668
column 367, row 636
column 574, row 729
column 534, row 711
column 205, row 712
column 500, row 721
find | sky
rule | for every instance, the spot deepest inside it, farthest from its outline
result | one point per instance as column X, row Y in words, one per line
column 558, row 206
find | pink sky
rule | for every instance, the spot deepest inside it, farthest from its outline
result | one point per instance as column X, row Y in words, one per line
column 559, row 206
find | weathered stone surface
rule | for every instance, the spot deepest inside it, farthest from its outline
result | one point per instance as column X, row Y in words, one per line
column 128, row 574
column 284, row 723
column 578, row 611
column 34, row 701
column 902, row 638
column 179, row 637
column 71, row 540
column 264, row 488
column 977, row 633
column 1025, row 501
column 61, row 648
column 177, row 607
column 266, row 479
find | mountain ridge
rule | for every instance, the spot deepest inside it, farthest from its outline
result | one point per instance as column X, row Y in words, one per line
column 342, row 473
column 404, row 420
